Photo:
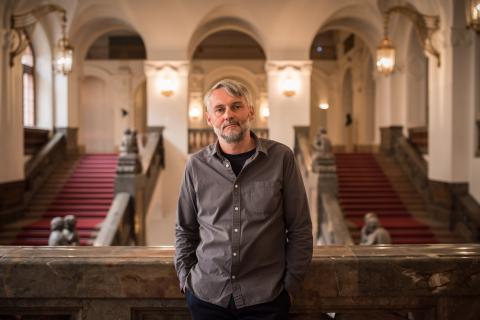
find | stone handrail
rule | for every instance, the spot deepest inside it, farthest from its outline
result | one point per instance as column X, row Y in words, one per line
column 450, row 202
column 118, row 227
column 330, row 226
column 360, row 282
column 125, row 221
column 45, row 161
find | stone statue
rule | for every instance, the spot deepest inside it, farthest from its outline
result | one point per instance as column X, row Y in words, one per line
column 129, row 159
column 70, row 231
column 57, row 238
column 373, row 232
column 322, row 144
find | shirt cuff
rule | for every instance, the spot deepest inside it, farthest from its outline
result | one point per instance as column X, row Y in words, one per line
column 292, row 285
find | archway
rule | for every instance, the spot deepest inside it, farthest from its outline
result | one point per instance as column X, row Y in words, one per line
column 226, row 54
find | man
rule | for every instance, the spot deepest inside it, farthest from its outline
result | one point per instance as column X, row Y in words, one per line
column 241, row 199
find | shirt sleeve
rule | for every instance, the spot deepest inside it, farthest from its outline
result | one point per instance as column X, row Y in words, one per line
column 186, row 228
column 299, row 226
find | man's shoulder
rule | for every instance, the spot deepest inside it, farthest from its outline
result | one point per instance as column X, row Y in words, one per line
column 201, row 155
column 275, row 148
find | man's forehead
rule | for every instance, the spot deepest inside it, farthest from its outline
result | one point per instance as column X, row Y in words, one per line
column 221, row 96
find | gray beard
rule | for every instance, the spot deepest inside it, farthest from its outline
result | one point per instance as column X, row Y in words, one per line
column 234, row 137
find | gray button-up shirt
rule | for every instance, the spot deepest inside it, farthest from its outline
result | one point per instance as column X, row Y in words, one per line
column 249, row 235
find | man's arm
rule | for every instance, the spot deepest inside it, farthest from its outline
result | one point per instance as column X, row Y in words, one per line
column 299, row 226
column 186, row 229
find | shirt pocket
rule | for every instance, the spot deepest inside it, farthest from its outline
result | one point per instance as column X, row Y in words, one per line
column 263, row 198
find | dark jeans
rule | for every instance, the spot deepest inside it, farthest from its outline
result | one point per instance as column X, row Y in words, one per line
column 273, row 310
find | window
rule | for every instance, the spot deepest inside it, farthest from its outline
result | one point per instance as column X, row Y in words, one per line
column 28, row 87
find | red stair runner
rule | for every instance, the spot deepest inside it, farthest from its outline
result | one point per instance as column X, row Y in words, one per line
column 363, row 187
column 87, row 194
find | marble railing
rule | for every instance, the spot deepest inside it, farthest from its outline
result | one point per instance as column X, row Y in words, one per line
column 202, row 137
column 374, row 282
column 320, row 180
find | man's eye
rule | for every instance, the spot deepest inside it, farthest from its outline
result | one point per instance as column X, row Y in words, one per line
column 219, row 110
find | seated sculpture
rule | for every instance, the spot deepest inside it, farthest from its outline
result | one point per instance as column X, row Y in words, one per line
column 57, row 238
column 69, row 230
column 373, row 232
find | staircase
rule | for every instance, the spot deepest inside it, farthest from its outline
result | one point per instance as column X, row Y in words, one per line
column 364, row 187
column 83, row 187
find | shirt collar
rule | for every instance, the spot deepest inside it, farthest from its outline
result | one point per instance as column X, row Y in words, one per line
column 259, row 146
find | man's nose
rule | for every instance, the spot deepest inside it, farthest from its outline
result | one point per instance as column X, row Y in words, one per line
column 228, row 113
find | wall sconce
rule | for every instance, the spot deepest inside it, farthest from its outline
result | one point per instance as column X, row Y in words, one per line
column 323, row 106
column 264, row 110
column 425, row 26
column 195, row 111
column 24, row 24
column 290, row 81
column 167, row 81
column 473, row 14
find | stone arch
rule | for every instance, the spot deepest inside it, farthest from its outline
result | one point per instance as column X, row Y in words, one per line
column 212, row 25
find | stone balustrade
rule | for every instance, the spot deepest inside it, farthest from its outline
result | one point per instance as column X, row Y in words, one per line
column 372, row 282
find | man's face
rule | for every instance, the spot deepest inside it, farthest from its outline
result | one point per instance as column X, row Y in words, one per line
column 229, row 116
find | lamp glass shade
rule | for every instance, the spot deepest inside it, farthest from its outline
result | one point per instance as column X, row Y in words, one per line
column 473, row 14
column 63, row 60
column 385, row 57
column 323, row 106
column 290, row 82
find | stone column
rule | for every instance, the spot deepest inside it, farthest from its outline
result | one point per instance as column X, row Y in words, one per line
column 170, row 112
column 449, row 137
column 11, row 111
column 288, row 111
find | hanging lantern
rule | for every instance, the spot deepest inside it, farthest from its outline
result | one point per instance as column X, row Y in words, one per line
column 385, row 57
column 63, row 58
column 473, row 14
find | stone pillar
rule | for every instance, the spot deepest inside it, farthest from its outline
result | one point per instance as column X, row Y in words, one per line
column 130, row 180
column 389, row 138
column 288, row 111
column 171, row 112
column 11, row 114
column 449, row 137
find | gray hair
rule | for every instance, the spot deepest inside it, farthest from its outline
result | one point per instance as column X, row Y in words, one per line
column 233, row 88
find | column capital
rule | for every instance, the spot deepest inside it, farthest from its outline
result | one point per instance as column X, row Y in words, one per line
column 153, row 67
column 273, row 67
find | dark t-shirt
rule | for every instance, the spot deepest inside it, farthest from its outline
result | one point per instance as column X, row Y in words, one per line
column 238, row 160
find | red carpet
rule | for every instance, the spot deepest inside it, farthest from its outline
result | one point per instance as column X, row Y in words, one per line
column 87, row 194
column 363, row 187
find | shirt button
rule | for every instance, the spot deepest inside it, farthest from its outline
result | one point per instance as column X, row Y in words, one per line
column 236, row 208
column 234, row 254
column 236, row 186
column 227, row 165
column 233, row 277
column 236, row 230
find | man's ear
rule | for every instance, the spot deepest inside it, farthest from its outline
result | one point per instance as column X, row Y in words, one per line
column 252, row 113
column 209, row 121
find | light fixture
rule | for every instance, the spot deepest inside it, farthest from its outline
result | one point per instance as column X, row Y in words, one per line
column 167, row 81
column 23, row 25
column 264, row 110
column 323, row 106
column 425, row 26
column 385, row 57
column 290, row 81
column 195, row 111
column 473, row 14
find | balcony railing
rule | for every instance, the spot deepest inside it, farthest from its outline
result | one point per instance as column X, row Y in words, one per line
column 199, row 138
column 374, row 282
